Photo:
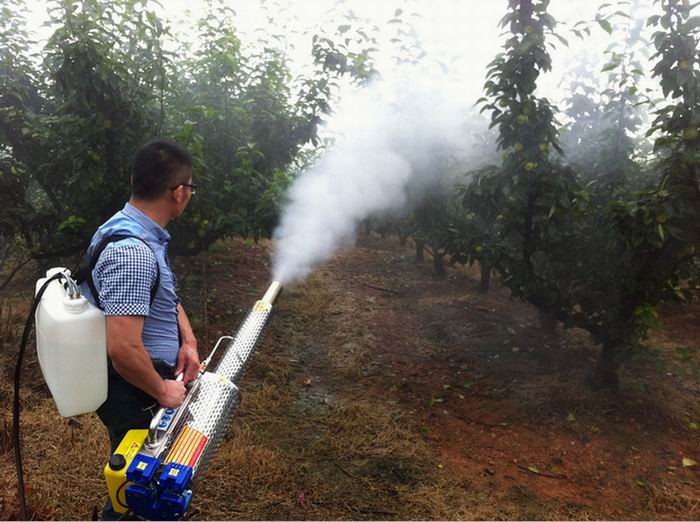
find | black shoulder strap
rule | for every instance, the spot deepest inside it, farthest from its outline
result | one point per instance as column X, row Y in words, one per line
column 84, row 273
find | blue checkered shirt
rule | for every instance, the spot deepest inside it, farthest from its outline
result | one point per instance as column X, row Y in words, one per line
column 125, row 273
column 127, row 270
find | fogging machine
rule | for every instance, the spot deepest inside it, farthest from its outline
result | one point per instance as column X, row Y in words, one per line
column 152, row 471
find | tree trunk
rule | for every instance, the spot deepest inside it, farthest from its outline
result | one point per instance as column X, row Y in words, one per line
column 420, row 251
column 547, row 322
column 606, row 373
column 485, row 278
column 529, row 231
column 439, row 266
column 18, row 266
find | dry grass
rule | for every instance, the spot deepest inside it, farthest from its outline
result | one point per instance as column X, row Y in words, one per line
column 61, row 463
column 368, row 429
column 315, row 438
column 246, row 478
column 675, row 501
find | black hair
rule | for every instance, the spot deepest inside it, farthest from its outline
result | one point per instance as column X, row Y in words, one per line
column 158, row 166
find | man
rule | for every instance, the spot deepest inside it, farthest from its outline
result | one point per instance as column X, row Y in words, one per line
column 149, row 337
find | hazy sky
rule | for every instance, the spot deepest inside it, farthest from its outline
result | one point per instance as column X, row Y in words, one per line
column 462, row 34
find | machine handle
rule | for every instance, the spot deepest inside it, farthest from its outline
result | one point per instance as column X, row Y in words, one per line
column 153, row 438
column 206, row 362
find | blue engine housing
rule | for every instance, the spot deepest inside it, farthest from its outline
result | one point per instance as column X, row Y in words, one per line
column 164, row 499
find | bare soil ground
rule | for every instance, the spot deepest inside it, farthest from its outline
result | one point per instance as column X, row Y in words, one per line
column 380, row 392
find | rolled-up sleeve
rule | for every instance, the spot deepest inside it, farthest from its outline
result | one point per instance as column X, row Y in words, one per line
column 126, row 273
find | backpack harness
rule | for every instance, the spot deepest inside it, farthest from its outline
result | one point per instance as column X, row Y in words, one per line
column 84, row 271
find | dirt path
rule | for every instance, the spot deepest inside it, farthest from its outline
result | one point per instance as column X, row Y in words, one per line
column 382, row 393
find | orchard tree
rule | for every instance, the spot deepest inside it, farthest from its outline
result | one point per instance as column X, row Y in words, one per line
column 247, row 125
column 658, row 229
column 529, row 198
column 554, row 244
column 552, row 247
column 241, row 126
column 69, row 128
column 18, row 94
column 583, row 113
column 71, row 124
column 606, row 122
column 439, row 212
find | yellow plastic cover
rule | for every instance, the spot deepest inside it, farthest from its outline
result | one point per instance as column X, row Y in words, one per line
column 116, row 479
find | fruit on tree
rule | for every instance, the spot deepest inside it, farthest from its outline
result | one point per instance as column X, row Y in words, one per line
column 690, row 134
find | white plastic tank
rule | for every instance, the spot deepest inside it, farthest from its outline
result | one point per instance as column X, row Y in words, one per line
column 71, row 344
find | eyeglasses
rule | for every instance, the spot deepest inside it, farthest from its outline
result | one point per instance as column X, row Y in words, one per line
column 193, row 188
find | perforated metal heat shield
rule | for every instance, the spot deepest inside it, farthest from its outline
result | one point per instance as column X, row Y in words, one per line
column 213, row 403
column 236, row 358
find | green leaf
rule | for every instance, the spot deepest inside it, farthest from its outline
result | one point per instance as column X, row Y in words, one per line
column 561, row 39
column 690, row 24
column 605, row 25
column 688, row 463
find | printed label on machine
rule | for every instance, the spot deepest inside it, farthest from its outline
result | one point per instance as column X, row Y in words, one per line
column 261, row 307
column 188, row 447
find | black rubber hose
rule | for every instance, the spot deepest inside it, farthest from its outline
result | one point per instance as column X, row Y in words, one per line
column 16, row 406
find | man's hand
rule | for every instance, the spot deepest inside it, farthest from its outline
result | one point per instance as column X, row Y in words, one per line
column 172, row 394
column 188, row 361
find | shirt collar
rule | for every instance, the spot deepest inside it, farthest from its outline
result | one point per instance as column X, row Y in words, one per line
column 142, row 219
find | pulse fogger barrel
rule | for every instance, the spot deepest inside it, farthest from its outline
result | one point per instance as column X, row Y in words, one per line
column 151, row 472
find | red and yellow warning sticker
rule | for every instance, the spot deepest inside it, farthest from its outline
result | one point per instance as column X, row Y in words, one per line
column 188, row 447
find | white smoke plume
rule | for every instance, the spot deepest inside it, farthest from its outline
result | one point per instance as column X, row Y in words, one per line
column 389, row 132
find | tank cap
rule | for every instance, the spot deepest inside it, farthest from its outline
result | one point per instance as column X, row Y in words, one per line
column 75, row 306
column 117, row 462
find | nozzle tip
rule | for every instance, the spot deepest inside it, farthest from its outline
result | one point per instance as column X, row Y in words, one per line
column 272, row 292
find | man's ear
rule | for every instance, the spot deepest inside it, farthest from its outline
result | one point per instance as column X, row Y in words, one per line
column 178, row 194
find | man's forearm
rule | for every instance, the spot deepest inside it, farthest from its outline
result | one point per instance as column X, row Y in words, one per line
column 131, row 360
column 134, row 364
column 183, row 322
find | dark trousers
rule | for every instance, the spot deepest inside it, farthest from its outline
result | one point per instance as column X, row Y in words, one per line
column 127, row 407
